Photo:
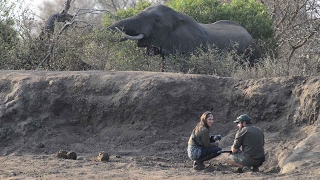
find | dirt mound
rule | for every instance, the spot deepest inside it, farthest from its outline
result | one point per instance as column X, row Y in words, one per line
column 146, row 118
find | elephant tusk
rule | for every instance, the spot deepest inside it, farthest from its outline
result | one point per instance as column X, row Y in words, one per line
column 138, row 37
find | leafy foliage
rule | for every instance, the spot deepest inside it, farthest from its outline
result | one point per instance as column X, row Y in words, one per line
column 8, row 35
column 125, row 13
column 203, row 11
column 249, row 13
column 84, row 46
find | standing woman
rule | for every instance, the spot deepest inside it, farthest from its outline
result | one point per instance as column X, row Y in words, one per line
column 202, row 147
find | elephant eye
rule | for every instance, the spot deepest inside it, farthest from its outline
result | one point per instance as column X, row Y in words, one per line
column 157, row 18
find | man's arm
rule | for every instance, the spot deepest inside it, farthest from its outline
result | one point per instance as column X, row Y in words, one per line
column 237, row 143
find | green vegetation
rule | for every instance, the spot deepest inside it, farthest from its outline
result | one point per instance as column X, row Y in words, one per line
column 93, row 47
column 8, row 35
column 249, row 13
column 121, row 14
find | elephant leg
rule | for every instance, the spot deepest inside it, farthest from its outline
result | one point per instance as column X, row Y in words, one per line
column 163, row 63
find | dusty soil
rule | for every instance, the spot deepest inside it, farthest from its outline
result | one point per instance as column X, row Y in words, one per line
column 143, row 121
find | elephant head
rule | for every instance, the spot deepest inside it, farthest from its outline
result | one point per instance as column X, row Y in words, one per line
column 164, row 31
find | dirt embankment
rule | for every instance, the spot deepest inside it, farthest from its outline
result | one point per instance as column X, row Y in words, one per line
column 144, row 119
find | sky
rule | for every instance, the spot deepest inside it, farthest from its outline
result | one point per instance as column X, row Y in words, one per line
column 33, row 4
column 28, row 4
column 24, row 6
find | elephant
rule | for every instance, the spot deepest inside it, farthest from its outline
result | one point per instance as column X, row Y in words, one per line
column 165, row 31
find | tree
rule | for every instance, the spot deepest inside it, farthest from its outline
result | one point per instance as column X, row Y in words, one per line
column 8, row 35
column 297, row 27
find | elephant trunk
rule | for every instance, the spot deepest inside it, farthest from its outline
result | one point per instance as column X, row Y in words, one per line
column 129, row 28
column 138, row 37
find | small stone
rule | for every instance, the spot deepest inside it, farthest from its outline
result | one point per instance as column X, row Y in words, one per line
column 71, row 155
column 103, row 156
column 40, row 145
column 62, row 154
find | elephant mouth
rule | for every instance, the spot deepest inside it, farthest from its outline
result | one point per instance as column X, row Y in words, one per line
column 142, row 42
column 126, row 36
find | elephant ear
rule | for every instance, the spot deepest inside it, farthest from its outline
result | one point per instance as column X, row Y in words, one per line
column 187, row 35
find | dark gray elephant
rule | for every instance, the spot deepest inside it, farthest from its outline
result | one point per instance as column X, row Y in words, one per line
column 164, row 31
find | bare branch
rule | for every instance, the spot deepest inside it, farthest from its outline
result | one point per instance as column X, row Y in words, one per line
column 90, row 11
column 67, row 6
column 301, row 42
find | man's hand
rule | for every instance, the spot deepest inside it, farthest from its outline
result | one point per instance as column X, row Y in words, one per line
column 234, row 150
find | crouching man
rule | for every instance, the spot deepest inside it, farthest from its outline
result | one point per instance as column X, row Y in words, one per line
column 251, row 141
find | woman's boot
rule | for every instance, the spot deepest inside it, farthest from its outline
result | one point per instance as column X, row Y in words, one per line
column 198, row 165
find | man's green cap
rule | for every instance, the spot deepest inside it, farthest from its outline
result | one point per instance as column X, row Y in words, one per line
column 243, row 117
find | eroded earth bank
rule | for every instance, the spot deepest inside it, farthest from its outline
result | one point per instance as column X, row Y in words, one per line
column 143, row 121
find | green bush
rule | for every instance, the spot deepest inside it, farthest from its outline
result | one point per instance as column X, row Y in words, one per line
column 92, row 47
column 203, row 11
column 125, row 13
column 8, row 36
column 249, row 13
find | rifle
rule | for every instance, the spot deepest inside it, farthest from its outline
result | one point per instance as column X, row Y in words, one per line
column 222, row 151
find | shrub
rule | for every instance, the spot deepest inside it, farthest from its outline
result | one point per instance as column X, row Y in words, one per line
column 8, row 36
column 249, row 13
column 203, row 11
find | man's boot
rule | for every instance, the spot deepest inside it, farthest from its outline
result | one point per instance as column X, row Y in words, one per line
column 255, row 169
